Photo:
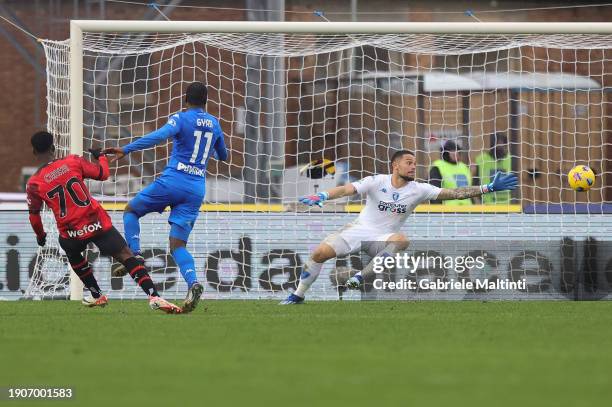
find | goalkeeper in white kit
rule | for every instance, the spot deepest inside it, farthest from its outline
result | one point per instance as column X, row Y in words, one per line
column 390, row 198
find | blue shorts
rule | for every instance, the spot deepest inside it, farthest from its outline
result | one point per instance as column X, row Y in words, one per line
column 184, row 205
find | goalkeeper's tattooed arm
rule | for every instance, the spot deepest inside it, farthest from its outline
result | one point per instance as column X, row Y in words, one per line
column 459, row 193
column 501, row 182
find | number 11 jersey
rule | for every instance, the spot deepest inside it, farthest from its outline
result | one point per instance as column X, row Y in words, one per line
column 195, row 135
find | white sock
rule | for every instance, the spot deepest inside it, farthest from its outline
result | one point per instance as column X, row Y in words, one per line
column 309, row 275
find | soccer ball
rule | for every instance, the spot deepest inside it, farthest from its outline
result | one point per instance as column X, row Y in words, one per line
column 581, row 178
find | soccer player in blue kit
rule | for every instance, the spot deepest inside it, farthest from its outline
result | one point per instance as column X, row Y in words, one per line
column 182, row 185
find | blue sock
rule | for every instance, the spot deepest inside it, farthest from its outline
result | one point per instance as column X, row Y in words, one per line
column 131, row 226
column 186, row 265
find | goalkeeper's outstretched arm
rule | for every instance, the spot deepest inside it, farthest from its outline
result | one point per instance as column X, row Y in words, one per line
column 501, row 182
column 334, row 193
column 459, row 193
column 341, row 192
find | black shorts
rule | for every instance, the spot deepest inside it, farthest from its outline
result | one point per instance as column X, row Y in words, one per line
column 110, row 242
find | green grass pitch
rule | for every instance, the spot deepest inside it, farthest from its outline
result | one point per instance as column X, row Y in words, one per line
column 256, row 353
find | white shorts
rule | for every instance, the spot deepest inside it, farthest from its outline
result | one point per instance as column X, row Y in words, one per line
column 354, row 237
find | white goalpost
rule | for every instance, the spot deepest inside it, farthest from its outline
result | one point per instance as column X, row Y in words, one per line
column 346, row 96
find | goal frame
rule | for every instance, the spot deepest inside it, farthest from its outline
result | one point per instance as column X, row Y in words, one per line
column 78, row 27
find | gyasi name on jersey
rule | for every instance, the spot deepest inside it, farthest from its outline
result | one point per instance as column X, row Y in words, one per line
column 204, row 123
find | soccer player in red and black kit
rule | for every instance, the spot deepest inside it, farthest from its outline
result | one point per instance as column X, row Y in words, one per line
column 81, row 219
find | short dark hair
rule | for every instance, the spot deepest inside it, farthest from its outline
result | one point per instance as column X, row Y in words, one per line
column 42, row 142
column 399, row 154
column 196, row 94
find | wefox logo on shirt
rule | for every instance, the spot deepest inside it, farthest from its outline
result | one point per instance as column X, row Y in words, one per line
column 392, row 207
column 85, row 229
column 190, row 169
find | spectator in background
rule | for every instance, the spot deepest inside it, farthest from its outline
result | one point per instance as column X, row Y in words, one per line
column 449, row 172
column 490, row 162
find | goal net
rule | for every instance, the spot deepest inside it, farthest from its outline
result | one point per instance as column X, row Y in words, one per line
column 304, row 112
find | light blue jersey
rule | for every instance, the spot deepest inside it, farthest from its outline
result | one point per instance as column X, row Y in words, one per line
column 182, row 186
column 196, row 134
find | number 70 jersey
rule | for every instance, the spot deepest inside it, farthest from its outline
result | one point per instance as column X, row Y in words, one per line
column 60, row 185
